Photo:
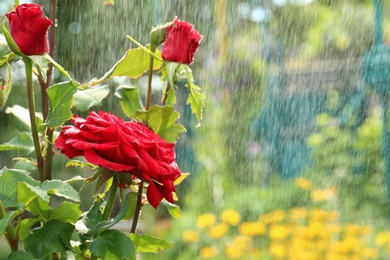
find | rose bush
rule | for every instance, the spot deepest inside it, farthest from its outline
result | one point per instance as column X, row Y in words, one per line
column 181, row 42
column 28, row 28
column 106, row 140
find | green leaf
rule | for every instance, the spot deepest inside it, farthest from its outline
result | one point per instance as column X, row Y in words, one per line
column 133, row 65
column 171, row 71
column 6, row 89
column 22, row 118
column 53, row 237
column 66, row 212
column 195, row 98
column 25, row 226
column 173, row 209
column 6, row 220
column 127, row 205
column 21, row 255
column 61, row 189
column 60, row 96
column 39, row 61
column 9, row 179
column 80, row 164
column 11, row 43
column 86, row 225
column 87, row 98
column 148, row 244
column 58, row 66
column 35, row 200
column 129, row 100
column 145, row 49
column 22, row 142
column 162, row 120
column 132, row 204
column 112, row 244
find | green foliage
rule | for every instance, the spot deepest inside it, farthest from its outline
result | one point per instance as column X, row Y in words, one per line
column 112, row 244
column 53, row 237
column 21, row 255
column 9, row 179
column 173, row 209
column 101, row 242
column 129, row 100
column 133, row 65
column 148, row 244
column 22, row 142
column 87, row 98
column 60, row 96
column 60, row 189
column 162, row 120
column 353, row 163
column 21, row 118
column 5, row 90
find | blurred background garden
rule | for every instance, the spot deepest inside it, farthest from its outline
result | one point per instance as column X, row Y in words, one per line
column 289, row 160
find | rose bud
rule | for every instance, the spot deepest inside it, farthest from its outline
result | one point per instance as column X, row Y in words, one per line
column 181, row 42
column 28, row 28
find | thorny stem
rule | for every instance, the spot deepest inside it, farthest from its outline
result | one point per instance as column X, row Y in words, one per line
column 47, row 167
column 31, row 108
column 111, row 198
column 137, row 208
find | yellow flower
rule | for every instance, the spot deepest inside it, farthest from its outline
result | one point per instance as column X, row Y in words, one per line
column 251, row 228
column 205, row 220
column 241, row 242
column 334, row 228
column 303, row 183
column 370, row 253
column 190, row 236
column 218, row 230
column 233, row 252
column 208, row 252
column 353, row 230
column 322, row 195
column 273, row 217
column 351, row 244
column 333, row 215
column 382, row 237
column 318, row 214
column 231, row 217
column 319, row 229
column 277, row 250
column 279, row 232
column 298, row 213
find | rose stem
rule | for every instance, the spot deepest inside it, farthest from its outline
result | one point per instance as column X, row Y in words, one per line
column 166, row 93
column 48, row 160
column 16, row 3
column 139, row 205
column 9, row 232
column 31, row 108
column 137, row 208
column 111, row 198
column 150, row 76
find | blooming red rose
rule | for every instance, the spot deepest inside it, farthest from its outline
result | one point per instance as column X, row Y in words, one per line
column 181, row 42
column 106, row 140
column 28, row 28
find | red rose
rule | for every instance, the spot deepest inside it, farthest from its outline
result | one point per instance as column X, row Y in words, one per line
column 181, row 42
column 106, row 140
column 28, row 27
